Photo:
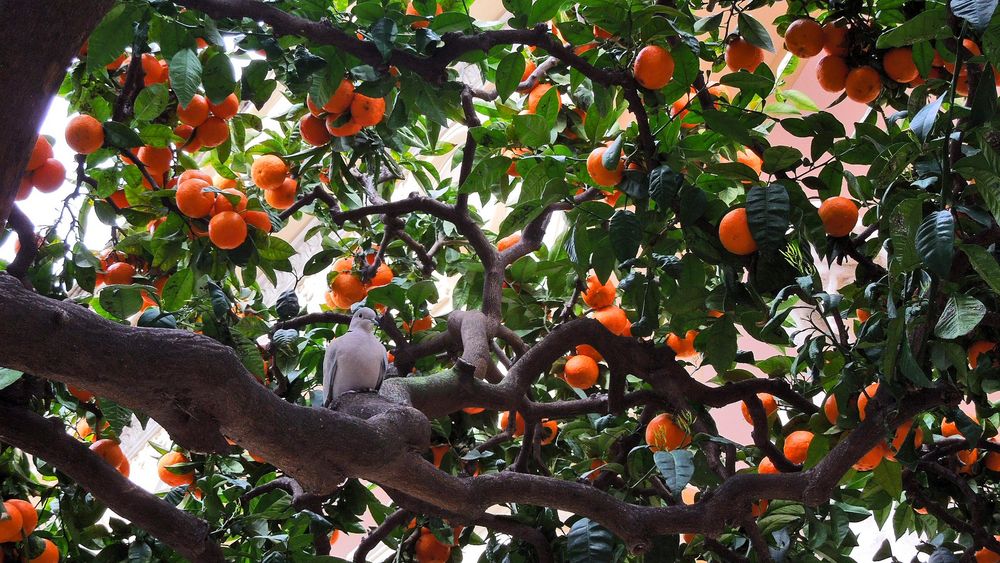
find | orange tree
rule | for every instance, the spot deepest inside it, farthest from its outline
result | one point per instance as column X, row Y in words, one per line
column 598, row 109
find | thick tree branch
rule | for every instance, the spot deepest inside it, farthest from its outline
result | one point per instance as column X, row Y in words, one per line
column 29, row 246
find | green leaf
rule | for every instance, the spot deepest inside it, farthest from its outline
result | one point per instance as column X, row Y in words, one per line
column 151, row 102
column 925, row 26
column 612, row 156
column 383, row 34
column 777, row 159
column 961, row 314
column 185, row 76
column 543, row 11
column 923, row 122
column 625, row 232
column 111, row 36
column 122, row 301
column 218, row 78
column 754, row 33
column 664, row 185
column 977, row 12
column 767, row 212
column 178, row 290
column 509, row 72
column 532, row 130
column 676, row 467
column 903, row 224
column 984, row 264
column 8, row 377
column 588, row 542
column 120, row 136
column 718, row 343
column 889, row 476
column 275, row 248
column 936, row 242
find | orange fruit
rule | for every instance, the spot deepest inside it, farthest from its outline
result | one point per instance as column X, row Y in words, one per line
column 734, row 233
column 157, row 160
column 662, row 433
column 613, row 318
column 581, row 372
column 11, row 524
column 225, row 109
column 835, row 41
column 421, row 24
column 863, row 85
column 508, row 241
column 119, row 273
column 601, row 33
column 804, row 38
column 831, row 73
column 169, row 477
column 383, row 276
column 839, row 216
column 653, row 67
column 29, row 516
column 341, row 98
column 313, row 130
column 348, row 288
column 797, row 445
column 518, row 422
column 212, row 133
column 195, row 113
column 343, row 265
column 601, row 175
column 863, row 315
column 50, row 554
column 599, row 294
column 429, row 549
column 970, row 46
column 224, row 183
column 438, row 452
column 968, row 459
column 741, row 55
column 189, row 140
column 589, row 351
column 268, row 171
column 949, row 428
column 594, row 464
column 550, row 429
column 985, row 555
column 535, row 96
column 84, row 134
column 831, row 409
column 109, row 450
column 192, row 175
column 751, row 159
column 41, row 152
column 898, row 64
column 871, row 460
column 899, row 438
column 419, row 325
column 683, row 347
column 758, row 508
column 284, row 196
column 346, row 129
column 227, row 230
column 864, row 398
column 222, row 202
column 334, row 536
column 766, row 467
column 151, row 69
column 193, row 200
column 48, row 177
column 977, row 348
column 529, row 67
column 81, row 395
column 770, row 406
column 366, row 111
column 84, row 430
column 120, row 199
column 473, row 410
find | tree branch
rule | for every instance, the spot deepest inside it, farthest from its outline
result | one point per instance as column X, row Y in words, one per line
column 375, row 537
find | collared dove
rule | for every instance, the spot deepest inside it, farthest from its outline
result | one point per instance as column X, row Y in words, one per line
column 355, row 361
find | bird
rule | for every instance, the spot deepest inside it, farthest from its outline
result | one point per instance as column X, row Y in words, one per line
column 356, row 361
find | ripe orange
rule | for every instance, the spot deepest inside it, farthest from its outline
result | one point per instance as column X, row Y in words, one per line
column 11, row 524
column 601, row 33
column 170, row 478
column 341, row 98
column 437, row 452
column 41, row 152
column 419, row 325
column 831, row 409
column 189, row 139
column 535, row 96
column 119, row 273
column 268, row 172
column 968, row 458
column 751, row 159
column 985, row 555
column 48, row 177
column 212, row 133
column 864, row 398
column 977, row 348
column 366, row 111
column 29, row 516
column 284, row 196
column 421, row 24
column 508, row 241
column 898, row 64
column 734, row 233
column 227, row 230
column 758, row 508
column 766, row 467
column 195, row 113
column 683, row 347
column 863, row 315
column 970, row 46
column 348, row 288
column 383, row 276
column 831, row 73
column 872, row 459
column 192, row 200
column 429, row 549
column 225, row 109
column 345, row 129
column 590, row 351
column 797, row 445
column 193, row 174
column 84, row 430
column 949, row 428
column 224, row 183
column 472, row 410
column 601, row 175
column 839, row 216
column 662, row 433
column 222, row 202
column 581, row 372
column 529, row 67
column 334, row 536
column 741, row 55
column 151, row 69
column 899, row 438
column 49, row 555
column 81, row 395
column 863, row 85
column 156, row 159
column 84, row 134
column 313, row 130
column 109, row 450
column 613, row 318
column 597, row 294
column 343, row 265
column 653, row 67
column 835, row 41
column 770, row 406
column 550, row 429
column 518, row 422
column 804, row 38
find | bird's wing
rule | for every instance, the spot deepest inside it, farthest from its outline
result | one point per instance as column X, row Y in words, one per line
column 329, row 372
column 382, row 367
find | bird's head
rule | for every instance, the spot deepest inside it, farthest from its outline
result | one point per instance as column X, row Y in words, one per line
column 363, row 319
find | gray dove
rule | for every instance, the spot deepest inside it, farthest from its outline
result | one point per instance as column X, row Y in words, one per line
column 355, row 361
